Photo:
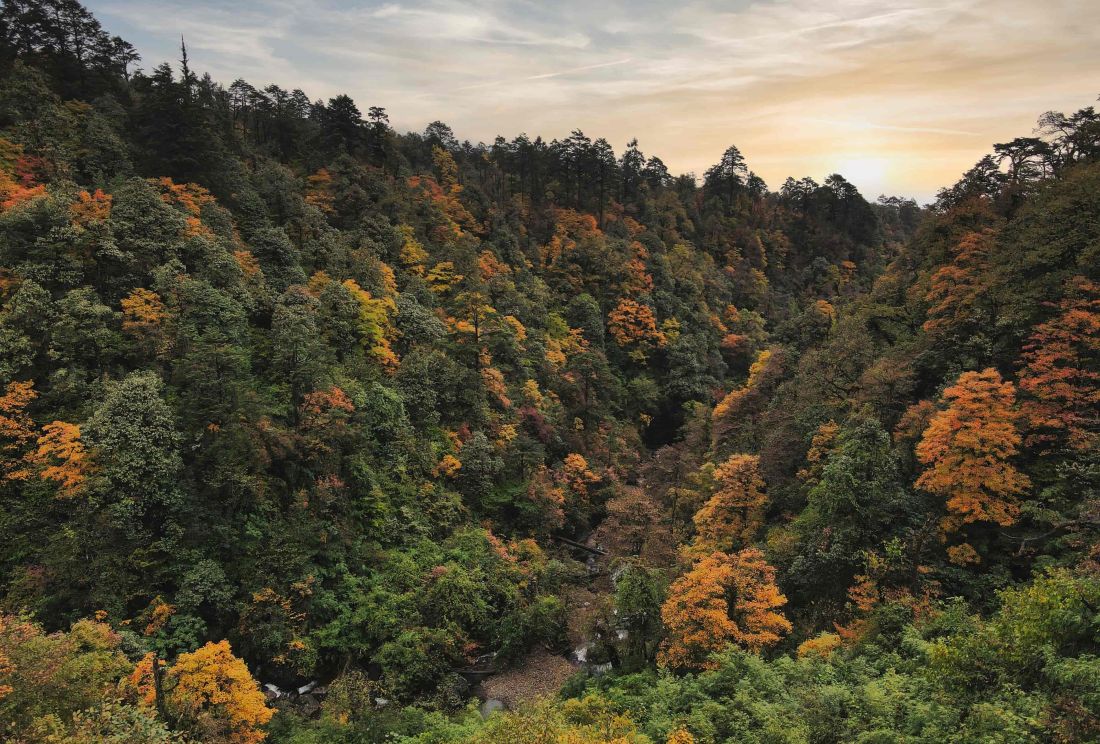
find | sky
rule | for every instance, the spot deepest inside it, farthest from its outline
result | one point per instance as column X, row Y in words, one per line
column 900, row 98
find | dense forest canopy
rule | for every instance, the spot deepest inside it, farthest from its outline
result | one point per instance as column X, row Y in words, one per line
column 289, row 398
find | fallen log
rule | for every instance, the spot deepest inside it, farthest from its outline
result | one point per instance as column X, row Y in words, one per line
column 579, row 546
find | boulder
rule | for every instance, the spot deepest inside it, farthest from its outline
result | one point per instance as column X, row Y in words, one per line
column 308, row 705
column 491, row 706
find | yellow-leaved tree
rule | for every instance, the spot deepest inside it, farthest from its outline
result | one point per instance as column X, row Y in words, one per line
column 213, row 693
column 733, row 515
column 724, row 598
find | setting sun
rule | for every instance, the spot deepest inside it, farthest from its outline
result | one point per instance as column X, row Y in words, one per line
column 869, row 173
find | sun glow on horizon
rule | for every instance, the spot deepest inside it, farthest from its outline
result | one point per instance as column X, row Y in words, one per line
column 870, row 173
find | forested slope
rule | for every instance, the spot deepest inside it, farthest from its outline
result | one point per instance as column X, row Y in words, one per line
column 286, row 395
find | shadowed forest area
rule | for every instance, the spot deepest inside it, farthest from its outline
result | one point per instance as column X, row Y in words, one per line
column 311, row 430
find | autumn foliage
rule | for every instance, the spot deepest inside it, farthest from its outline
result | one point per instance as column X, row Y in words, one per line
column 319, row 191
column 189, row 198
column 736, row 415
column 967, row 450
column 1061, row 372
column 143, row 318
column 732, row 516
column 63, row 457
column 633, row 325
column 956, row 288
column 214, row 692
column 821, row 645
column 375, row 326
column 16, row 429
column 18, row 182
column 577, row 476
column 723, row 599
column 90, row 207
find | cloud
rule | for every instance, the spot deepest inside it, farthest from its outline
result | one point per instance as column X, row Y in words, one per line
column 927, row 84
column 876, row 21
column 863, row 125
column 546, row 75
column 462, row 22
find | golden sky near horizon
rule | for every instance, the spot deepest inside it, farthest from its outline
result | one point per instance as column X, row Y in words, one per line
column 898, row 97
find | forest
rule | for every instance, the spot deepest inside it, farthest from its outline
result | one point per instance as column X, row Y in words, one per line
column 313, row 431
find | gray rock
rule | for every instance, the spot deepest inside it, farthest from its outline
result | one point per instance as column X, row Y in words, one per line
column 491, row 706
column 308, row 705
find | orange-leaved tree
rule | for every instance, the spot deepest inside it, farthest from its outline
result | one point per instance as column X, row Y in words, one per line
column 16, row 429
column 723, row 599
column 732, row 516
column 17, row 180
column 90, row 207
column 634, row 325
column 956, row 289
column 324, row 425
column 1061, row 372
column 967, row 451
column 577, row 476
column 63, row 458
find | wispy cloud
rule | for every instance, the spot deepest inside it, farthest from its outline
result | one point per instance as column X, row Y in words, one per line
column 467, row 23
column 878, row 20
column 864, row 125
column 545, row 75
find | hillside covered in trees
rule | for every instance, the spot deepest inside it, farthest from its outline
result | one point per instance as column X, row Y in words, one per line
column 288, row 398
